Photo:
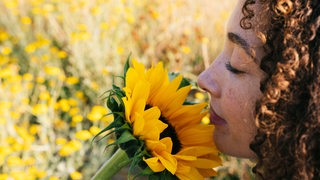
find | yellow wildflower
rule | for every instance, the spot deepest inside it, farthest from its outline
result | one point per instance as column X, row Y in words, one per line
column 72, row 80
column 6, row 50
column 76, row 175
column 97, row 113
column 26, row 20
column 94, row 130
column 77, row 118
column 39, row 109
column 83, row 135
column 61, row 141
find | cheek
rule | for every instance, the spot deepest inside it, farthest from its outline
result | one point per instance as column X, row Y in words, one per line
column 241, row 106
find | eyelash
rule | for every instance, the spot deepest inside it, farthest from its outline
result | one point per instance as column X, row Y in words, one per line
column 232, row 69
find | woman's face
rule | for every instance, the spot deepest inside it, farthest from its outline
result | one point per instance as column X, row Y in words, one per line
column 233, row 82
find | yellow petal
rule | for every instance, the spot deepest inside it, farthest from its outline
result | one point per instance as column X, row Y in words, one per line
column 186, row 158
column 153, row 145
column 153, row 128
column 138, row 107
column 207, row 172
column 179, row 98
column 139, row 67
column 154, row 164
column 166, row 94
column 193, row 174
column 141, row 91
column 197, row 151
column 191, row 114
column 187, row 135
column 131, row 78
column 128, row 107
column 168, row 161
column 204, row 163
column 138, row 125
column 152, row 113
column 168, row 142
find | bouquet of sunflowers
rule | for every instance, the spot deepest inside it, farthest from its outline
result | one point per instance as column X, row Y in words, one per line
column 157, row 129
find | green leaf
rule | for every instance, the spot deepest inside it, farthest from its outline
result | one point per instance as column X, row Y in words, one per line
column 116, row 123
column 184, row 82
column 125, row 137
column 164, row 175
column 126, row 67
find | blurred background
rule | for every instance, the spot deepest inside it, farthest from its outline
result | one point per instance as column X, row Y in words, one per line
column 58, row 57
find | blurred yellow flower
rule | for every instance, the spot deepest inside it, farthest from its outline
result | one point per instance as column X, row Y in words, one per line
column 120, row 50
column 40, row 80
column 185, row 49
column 6, row 50
column 30, row 48
column 29, row 161
column 25, row 101
column 53, row 71
column 205, row 40
column 72, row 80
column 26, row 20
column 83, row 135
column 95, row 10
column 199, row 96
column 61, row 141
column 34, row 129
column 104, row 26
column 4, row 151
column 11, row 4
column 69, row 148
column 82, row 27
column 97, row 112
column 76, row 175
column 39, row 109
column 27, row 77
column 59, row 123
column 44, row 95
column 64, row 105
column 94, row 130
column 3, row 120
column 36, row 172
column 23, row 133
column 62, row 54
column 130, row 19
column 54, row 178
column 80, row 94
column 94, row 85
column 3, row 35
column 205, row 120
column 4, row 176
column 77, row 118
column 74, row 111
column 14, row 161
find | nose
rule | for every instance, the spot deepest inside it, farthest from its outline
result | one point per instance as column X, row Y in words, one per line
column 208, row 80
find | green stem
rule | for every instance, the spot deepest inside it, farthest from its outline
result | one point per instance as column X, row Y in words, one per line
column 118, row 160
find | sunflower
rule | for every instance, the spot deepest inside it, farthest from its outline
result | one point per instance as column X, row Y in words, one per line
column 171, row 129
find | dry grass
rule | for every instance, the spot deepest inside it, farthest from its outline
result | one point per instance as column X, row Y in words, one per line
column 57, row 57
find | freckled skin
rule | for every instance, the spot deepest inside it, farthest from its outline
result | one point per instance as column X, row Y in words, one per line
column 233, row 96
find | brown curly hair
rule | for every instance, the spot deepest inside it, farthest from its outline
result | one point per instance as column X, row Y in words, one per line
column 287, row 143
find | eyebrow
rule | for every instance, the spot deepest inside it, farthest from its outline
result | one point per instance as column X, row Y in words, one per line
column 243, row 44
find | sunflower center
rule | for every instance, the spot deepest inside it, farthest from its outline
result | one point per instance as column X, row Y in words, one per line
column 171, row 132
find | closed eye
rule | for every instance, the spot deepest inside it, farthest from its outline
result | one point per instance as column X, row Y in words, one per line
column 232, row 69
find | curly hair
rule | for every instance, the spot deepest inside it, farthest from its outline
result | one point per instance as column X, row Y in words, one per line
column 287, row 143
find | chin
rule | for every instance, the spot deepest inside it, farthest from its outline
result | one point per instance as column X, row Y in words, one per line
column 231, row 148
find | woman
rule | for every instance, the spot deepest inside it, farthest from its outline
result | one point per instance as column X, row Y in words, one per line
column 264, row 88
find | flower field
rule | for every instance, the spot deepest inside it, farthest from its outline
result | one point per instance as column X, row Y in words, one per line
column 58, row 57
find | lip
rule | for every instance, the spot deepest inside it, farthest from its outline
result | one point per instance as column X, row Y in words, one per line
column 216, row 119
